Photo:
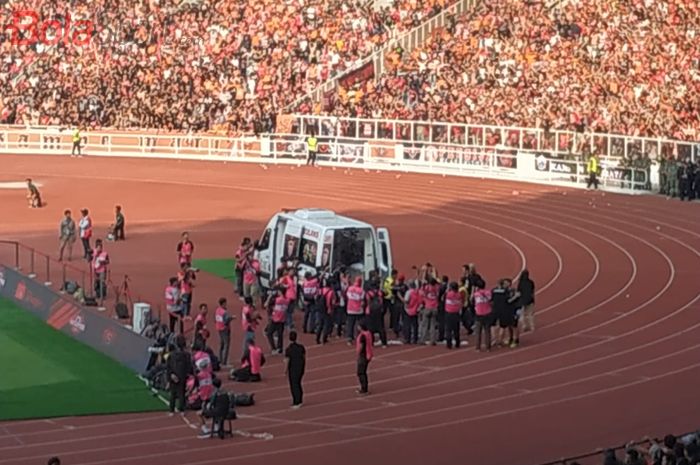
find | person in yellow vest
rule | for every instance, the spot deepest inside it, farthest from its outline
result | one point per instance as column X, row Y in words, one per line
column 76, row 142
column 593, row 168
column 312, row 144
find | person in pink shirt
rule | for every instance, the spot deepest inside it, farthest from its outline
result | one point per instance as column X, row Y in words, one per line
column 243, row 254
column 289, row 282
column 100, row 263
column 310, row 288
column 251, row 364
column 428, row 315
column 355, row 300
column 249, row 321
column 414, row 300
column 454, row 301
column 185, row 249
column 278, row 305
column 201, row 333
column 482, row 308
column 222, row 324
column 251, row 273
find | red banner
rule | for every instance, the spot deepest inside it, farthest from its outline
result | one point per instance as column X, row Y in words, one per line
column 361, row 74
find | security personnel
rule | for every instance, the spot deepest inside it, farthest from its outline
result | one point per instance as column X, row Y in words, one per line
column 663, row 176
column 312, row 144
column 76, row 142
column 593, row 171
column 672, row 176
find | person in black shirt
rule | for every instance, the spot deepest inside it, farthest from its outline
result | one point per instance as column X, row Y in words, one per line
column 179, row 367
column 295, row 358
column 504, row 311
column 33, row 196
column 526, row 289
column 441, row 308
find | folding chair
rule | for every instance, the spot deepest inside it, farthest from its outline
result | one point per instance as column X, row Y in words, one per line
column 223, row 425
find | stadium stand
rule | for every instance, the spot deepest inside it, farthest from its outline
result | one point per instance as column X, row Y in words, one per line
column 627, row 67
column 194, row 65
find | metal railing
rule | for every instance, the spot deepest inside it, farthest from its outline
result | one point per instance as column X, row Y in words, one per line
column 44, row 268
column 408, row 41
column 559, row 142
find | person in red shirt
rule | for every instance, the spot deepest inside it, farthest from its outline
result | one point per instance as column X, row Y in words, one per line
column 223, row 326
column 363, row 347
column 277, row 305
column 243, row 253
column 251, row 273
column 355, row 298
column 428, row 315
column 289, row 282
column 325, row 306
column 309, row 291
column 414, row 300
column 251, row 364
column 454, row 301
column 249, row 321
column 185, row 249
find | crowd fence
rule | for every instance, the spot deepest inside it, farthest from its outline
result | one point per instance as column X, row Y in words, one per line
column 494, row 162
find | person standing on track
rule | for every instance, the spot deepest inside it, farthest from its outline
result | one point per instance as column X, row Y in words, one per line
column 482, row 308
column 278, row 316
column 375, row 310
column 249, row 321
column 355, row 298
column 363, row 347
column 172, row 304
column 593, row 168
column 85, row 226
column 454, row 301
column 414, row 300
column 67, row 236
column 325, row 306
column 294, row 367
column 526, row 289
column 179, row 367
column 76, row 143
column 222, row 320
column 185, row 249
column 428, row 315
column 312, row 145
column 100, row 264
column 309, row 291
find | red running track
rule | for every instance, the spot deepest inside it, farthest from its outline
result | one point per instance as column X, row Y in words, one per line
column 614, row 357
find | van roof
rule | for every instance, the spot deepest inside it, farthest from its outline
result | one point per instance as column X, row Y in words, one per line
column 324, row 218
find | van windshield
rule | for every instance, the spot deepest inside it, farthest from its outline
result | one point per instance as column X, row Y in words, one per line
column 349, row 248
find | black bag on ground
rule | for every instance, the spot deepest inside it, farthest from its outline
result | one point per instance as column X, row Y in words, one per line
column 244, row 399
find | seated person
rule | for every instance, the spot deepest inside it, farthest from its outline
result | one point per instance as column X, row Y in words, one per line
column 218, row 406
column 116, row 230
column 34, row 196
column 252, row 361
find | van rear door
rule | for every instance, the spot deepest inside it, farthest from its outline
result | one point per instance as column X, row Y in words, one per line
column 386, row 262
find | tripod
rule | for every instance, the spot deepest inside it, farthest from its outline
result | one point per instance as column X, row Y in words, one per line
column 123, row 291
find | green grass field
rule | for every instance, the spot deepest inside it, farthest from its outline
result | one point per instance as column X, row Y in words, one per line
column 46, row 373
column 221, row 267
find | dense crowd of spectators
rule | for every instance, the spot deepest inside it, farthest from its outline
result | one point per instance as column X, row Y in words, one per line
column 623, row 66
column 190, row 65
column 671, row 450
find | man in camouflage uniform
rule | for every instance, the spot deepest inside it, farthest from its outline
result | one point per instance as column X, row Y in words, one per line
column 672, row 175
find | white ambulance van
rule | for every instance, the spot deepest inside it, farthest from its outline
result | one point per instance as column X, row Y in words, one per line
column 322, row 240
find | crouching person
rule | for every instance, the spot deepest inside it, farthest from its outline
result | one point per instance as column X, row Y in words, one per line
column 252, row 362
column 218, row 408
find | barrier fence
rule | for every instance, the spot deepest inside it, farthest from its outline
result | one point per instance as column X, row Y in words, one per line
column 44, row 269
column 497, row 162
column 557, row 142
